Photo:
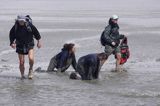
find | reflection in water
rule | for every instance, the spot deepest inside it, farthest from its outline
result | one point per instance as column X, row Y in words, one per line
column 58, row 89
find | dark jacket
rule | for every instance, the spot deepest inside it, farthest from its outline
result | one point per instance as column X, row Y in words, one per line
column 88, row 67
column 23, row 35
column 111, row 34
column 64, row 60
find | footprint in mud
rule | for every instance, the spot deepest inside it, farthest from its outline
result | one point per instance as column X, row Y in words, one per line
column 39, row 70
column 115, row 71
column 1, row 70
column 158, row 60
column 6, row 67
column 4, row 60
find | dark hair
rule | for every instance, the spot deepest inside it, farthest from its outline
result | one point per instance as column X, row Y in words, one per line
column 102, row 56
column 68, row 46
column 73, row 75
column 110, row 22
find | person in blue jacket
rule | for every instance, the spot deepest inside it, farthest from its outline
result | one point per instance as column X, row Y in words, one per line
column 89, row 66
column 64, row 59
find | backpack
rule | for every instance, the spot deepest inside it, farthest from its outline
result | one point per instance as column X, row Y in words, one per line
column 28, row 24
column 107, row 30
column 29, row 19
column 102, row 39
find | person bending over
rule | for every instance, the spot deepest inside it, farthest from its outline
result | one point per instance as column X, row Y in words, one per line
column 64, row 59
column 88, row 67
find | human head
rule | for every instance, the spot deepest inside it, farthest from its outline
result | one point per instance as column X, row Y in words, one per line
column 21, row 20
column 73, row 75
column 102, row 56
column 113, row 19
column 70, row 47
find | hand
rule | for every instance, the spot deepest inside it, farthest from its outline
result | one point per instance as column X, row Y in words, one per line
column 59, row 70
column 39, row 45
column 113, row 43
column 126, row 34
column 13, row 45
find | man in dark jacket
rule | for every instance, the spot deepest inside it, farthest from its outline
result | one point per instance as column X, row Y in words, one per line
column 111, row 39
column 89, row 66
column 64, row 59
column 21, row 37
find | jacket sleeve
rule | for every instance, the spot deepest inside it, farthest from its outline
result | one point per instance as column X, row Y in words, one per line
column 74, row 63
column 121, row 36
column 62, row 60
column 98, row 67
column 12, row 35
column 107, row 32
column 36, row 33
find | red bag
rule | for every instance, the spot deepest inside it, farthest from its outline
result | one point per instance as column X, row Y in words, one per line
column 125, row 53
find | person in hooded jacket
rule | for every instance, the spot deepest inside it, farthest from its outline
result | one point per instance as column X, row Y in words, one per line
column 21, row 37
column 111, row 40
column 88, row 67
column 64, row 59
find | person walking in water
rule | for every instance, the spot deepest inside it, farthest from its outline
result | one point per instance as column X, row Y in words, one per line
column 64, row 59
column 110, row 38
column 88, row 67
column 22, row 36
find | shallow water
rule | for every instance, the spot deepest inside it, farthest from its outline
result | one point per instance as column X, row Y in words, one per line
column 82, row 22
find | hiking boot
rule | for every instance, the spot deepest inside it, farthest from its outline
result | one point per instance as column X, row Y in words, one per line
column 30, row 74
column 113, row 70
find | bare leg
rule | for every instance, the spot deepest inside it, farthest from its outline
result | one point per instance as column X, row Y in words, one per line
column 21, row 64
column 31, row 58
column 118, row 60
column 31, row 62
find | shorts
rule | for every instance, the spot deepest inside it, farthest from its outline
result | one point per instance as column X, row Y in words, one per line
column 24, row 49
column 112, row 50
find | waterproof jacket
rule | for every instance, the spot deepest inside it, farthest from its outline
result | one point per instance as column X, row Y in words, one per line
column 111, row 34
column 22, row 35
column 64, row 59
column 88, row 67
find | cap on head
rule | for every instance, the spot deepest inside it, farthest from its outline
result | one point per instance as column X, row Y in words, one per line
column 114, row 17
column 21, row 18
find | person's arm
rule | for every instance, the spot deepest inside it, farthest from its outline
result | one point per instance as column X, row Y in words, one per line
column 121, row 36
column 37, row 36
column 36, row 33
column 90, row 75
column 12, row 37
column 98, row 67
column 74, row 63
column 95, row 67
